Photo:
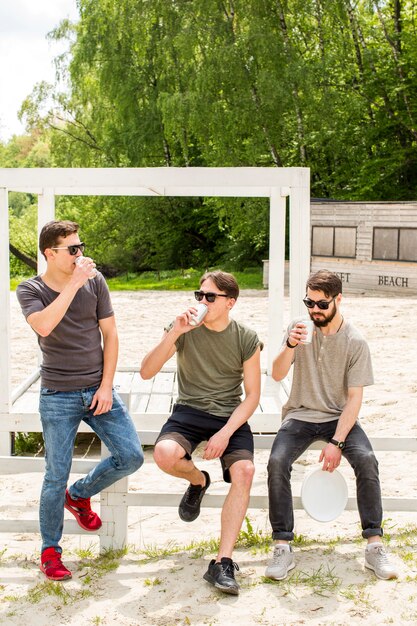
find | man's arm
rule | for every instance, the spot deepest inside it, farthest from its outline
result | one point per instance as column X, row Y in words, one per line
column 282, row 363
column 43, row 322
column 103, row 398
column 331, row 455
column 252, row 384
column 158, row 356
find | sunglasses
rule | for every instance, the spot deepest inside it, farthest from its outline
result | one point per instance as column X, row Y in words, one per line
column 72, row 249
column 322, row 304
column 209, row 296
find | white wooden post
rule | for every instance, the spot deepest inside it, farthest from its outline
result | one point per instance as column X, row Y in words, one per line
column 46, row 213
column 5, row 378
column 113, row 512
column 300, row 247
column 276, row 272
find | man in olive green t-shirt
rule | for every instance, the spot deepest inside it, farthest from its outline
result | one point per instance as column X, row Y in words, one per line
column 213, row 360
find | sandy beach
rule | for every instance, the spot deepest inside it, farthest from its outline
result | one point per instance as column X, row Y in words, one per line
column 159, row 580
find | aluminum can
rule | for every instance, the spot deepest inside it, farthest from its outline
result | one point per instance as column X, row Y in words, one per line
column 200, row 315
column 309, row 324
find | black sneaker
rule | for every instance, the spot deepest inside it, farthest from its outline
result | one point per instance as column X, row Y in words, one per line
column 189, row 508
column 222, row 575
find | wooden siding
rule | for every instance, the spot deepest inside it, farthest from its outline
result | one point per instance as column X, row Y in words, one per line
column 364, row 274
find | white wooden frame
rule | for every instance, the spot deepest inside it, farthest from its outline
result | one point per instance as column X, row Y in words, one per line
column 277, row 184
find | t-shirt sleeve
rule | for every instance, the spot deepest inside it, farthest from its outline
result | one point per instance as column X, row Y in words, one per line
column 29, row 298
column 360, row 372
column 104, row 305
column 250, row 344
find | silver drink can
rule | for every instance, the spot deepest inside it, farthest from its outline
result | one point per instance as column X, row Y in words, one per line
column 309, row 324
column 200, row 315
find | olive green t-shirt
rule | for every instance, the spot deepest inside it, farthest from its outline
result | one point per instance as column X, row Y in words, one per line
column 323, row 372
column 210, row 367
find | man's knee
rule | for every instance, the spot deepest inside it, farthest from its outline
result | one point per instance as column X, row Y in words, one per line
column 167, row 453
column 278, row 463
column 242, row 473
column 366, row 462
column 132, row 459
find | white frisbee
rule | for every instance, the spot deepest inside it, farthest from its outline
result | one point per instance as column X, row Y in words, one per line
column 324, row 495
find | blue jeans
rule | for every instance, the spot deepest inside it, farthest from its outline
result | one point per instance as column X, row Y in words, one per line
column 293, row 438
column 61, row 414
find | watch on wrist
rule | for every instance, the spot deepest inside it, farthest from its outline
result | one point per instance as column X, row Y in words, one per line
column 339, row 444
column 290, row 346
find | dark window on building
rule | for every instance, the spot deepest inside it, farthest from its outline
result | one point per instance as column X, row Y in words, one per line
column 408, row 244
column 336, row 241
column 395, row 244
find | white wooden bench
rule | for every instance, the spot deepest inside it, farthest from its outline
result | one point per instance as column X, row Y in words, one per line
column 150, row 402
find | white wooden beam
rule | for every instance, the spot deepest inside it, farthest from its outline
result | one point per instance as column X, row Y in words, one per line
column 46, row 213
column 5, row 377
column 300, row 248
column 276, row 273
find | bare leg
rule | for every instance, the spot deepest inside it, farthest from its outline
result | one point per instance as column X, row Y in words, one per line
column 169, row 456
column 235, row 506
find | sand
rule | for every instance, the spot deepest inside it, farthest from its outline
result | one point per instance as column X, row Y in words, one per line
column 329, row 585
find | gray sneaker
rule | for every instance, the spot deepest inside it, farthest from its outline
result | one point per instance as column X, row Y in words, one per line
column 281, row 563
column 377, row 560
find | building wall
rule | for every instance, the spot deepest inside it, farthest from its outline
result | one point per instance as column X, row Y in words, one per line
column 364, row 273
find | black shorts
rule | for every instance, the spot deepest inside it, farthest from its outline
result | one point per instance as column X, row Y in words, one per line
column 189, row 427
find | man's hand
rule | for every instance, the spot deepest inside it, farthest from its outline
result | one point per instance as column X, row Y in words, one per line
column 215, row 446
column 331, row 457
column 102, row 400
column 182, row 322
column 297, row 334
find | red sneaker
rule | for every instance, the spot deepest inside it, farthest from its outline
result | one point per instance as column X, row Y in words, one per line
column 52, row 566
column 81, row 509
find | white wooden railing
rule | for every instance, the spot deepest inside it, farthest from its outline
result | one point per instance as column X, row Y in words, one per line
column 150, row 403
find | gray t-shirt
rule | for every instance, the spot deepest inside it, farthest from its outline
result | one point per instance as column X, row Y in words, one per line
column 72, row 355
column 323, row 372
column 210, row 367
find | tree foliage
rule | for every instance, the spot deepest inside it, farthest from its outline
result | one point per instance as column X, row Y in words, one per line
column 326, row 84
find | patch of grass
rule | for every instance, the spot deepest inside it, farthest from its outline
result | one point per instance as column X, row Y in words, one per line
column 58, row 591
column 199, row 549
column 178, row 280
column 322, row 581
column 151, row 582
column 255, row 540
column 97, row 567
column 154, row 552
column 86, row 553
column 359, row 595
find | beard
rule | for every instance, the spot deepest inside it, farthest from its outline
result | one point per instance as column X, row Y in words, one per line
column 323, row 321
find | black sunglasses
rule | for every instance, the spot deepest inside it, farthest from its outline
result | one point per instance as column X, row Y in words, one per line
column 209, row 296
column 72, row 249
column 322, row 304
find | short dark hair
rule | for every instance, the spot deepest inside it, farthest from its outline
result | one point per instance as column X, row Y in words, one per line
column 224, row 281
column 52, row 231
column 327, row 282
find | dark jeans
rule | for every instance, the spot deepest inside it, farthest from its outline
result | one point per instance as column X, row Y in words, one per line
column 293, row 438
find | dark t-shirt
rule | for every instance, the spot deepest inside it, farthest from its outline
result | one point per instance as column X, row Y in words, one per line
column 72, row 352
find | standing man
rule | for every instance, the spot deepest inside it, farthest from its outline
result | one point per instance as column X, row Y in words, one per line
column 71, row 316
column 325, row 400
column 213, row 360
